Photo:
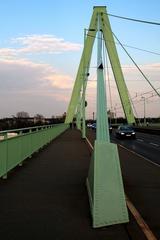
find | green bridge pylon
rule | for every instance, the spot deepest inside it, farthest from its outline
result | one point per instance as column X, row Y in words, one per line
column 115, row 64
column 104, row 181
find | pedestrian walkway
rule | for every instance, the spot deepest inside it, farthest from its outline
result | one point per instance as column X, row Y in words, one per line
column 47, row 197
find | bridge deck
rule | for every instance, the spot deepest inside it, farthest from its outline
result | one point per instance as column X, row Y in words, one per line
column 47, row 197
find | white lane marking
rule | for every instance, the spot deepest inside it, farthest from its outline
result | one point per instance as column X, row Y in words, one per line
column 140, row 221
column 154, row 144
column 156, row 164
column 140, row 140
column 89, row 143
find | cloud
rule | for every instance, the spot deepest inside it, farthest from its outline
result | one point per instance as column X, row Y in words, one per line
column 29, row 86
column 20, row 74
column 44, row 44
column 7, row 53
column 37, row 44
column 23, row 81
column 24, row 74
column 60, row 81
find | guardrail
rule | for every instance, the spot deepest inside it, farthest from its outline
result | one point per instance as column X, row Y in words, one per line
column 149, row 130
column 14, row 150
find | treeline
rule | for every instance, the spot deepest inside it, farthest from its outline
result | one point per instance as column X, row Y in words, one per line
column 24, row 122
column 15, row 123
column 122, row 120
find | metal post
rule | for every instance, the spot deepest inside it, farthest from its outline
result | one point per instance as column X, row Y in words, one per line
column 83, row 93
column 115, row 115
column 78, row 115
column 144, row 99
column 5, row 175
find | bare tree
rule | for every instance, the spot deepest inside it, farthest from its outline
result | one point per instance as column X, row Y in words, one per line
column 39, row 118
column 22, row 114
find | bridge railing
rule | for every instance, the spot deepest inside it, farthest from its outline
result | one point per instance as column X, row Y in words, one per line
column 18, row 144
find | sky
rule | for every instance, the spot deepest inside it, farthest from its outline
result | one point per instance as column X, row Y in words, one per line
column 41, row 43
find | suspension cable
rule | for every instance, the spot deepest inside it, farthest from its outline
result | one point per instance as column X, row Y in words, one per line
column 133, row 19
column 109, row 82
column 128, row 46
column 137, row 66
column 104, row 62
column 106, row 65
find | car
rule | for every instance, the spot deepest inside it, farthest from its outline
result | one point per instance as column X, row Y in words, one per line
column 94, row 126
column 89, row 125
column 125, row 131
column 110, row 129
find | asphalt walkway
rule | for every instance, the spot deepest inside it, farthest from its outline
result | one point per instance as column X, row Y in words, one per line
column 47, row 197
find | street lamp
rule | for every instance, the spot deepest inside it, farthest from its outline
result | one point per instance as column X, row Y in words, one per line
column 115, row 114
column 144, row 99
column 84, row 76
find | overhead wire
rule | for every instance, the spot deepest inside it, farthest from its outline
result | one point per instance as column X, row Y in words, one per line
column 125, row 45
column 141, row 49
column 135, row 111
column 129, row 46
column 148, row 92
column 137, row 68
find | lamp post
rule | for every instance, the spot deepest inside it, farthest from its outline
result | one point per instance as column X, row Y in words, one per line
column 93, row 116
column 83, row 92
column 144, row 99
column 115, row 115
column 85, row 76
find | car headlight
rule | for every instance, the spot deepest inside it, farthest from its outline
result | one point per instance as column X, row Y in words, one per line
column 122, row 133
column 133, row 133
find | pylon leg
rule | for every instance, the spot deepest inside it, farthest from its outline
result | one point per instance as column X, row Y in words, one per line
column 105, row 186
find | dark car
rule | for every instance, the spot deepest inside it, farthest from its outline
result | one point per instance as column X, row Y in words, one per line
column 94, row 127
column 125, row 131
column 89, row 125
column 110, row 128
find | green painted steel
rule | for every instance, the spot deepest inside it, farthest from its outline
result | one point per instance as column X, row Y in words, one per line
column 104, row 182
column 87, row 51
column 116, row 67
column 84, row 108
column 115, row 63
column 102, row 133
column 105, row 186
column 15, row 150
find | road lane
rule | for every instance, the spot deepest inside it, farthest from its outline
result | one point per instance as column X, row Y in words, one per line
column 149, row 138
column 146, row 145
column 141, row 180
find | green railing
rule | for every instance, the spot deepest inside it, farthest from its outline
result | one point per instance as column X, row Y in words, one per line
column 14, row 150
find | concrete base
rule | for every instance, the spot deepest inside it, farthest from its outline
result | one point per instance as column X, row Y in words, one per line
column 105, row 186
